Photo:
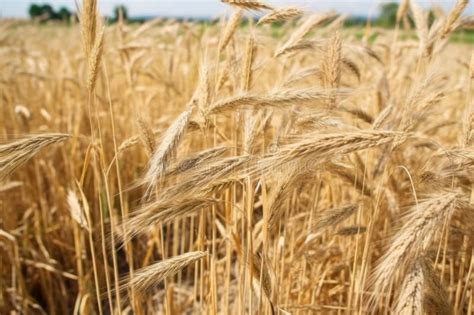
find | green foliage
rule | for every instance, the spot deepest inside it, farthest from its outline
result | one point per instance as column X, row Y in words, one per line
column 45, row 12
column 388, row 14
column 64, row 14
column 120, row 10
column 35, row 11
column 465, row 36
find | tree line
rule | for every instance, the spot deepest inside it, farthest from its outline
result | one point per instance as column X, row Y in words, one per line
column 45, row 12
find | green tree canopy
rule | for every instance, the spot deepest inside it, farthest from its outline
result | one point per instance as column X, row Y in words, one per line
column 64, row 14
column 45, row 12
column 35, row 11
column 388, row 14
column 120, row 10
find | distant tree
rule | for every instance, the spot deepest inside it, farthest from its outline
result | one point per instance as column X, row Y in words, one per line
column 388, row 14
column 64, row 14
column 45, row 12
column 120, row 11
column 35, row 11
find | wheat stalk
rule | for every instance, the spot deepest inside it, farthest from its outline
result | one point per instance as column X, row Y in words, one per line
column 410, row 301
column 88, row 19
column 421, row 21
column 453, row 16
column 161, row 211
column 334, row 216
column 422, row 224
column 315, row 148
column 402, row 10
column 95, row 57
column 196, row 160
column 147, row 135
column 298, row 35
column 248, row 4
column 76, row 210
column 332, row 65
column 230, row 29
column 279, row 99
column 165, row 150
column 17, row 153
column 282, row 14
column 147, row 278
column 351, row 230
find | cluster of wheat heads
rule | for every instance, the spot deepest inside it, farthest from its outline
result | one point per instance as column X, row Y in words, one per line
column 188, row 168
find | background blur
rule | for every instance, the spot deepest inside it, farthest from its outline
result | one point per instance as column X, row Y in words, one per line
column 207, row 8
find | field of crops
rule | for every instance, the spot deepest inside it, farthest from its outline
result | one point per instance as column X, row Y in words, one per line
column 196, row 168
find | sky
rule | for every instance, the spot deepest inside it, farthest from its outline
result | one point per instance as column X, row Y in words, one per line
column 209, row 8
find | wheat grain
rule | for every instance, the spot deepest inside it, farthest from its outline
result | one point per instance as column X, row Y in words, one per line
column 230, row 29
column 282, row 14
column 88, row 19
column 402, row 10
column 315, row 148
column 453, row 16
column 248, row 4
column 163, row 153
column 146, row 278
column 410, row 301
column 298, row 35
column 415, row 236
column 279, row 99
column 76, row 210
column 334, row 216
column 15, row 154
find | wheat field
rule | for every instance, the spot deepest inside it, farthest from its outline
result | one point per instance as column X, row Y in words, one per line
column 214, row 168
